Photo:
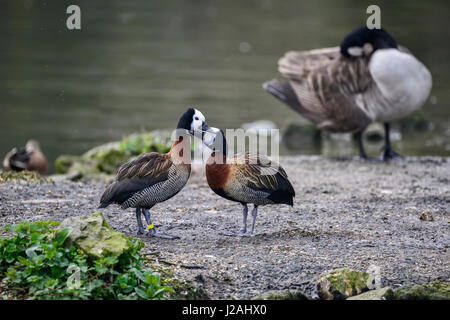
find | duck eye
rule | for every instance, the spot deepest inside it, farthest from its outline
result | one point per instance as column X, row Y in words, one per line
column 196, row 118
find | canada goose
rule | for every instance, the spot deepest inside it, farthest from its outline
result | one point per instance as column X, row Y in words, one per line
column 154, row 177
column 369, row 78
column 28, row 158
column 245, row 179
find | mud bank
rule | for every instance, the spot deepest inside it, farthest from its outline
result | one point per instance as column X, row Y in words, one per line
column 347, row 213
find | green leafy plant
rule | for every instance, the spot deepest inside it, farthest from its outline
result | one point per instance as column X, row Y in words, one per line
column 35, row 264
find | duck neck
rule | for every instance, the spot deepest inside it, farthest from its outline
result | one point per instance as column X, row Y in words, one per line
column 180, row 152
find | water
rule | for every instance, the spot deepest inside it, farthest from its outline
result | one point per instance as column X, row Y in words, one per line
column 137, row 65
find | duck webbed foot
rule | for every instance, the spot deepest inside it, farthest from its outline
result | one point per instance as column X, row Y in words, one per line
column 150, row 230
column 243, row 232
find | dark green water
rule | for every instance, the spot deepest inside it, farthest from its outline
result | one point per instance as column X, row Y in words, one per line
column 138, row 64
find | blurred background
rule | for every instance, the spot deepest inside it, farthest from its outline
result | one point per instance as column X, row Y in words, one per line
column 136, row 65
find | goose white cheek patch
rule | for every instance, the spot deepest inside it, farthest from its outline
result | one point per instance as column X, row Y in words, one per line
column 355, row 51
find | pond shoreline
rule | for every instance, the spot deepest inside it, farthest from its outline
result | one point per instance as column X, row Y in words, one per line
column 347, row 213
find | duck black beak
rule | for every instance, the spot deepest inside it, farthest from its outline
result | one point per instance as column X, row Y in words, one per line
column 205, row 127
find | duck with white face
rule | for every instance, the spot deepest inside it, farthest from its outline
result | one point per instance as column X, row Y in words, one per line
column 369, row 78
column 246, row 178
column 154, row 177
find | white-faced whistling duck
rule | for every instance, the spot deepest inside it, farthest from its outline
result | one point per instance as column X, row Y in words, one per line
column 245, row 179
column 154, row 177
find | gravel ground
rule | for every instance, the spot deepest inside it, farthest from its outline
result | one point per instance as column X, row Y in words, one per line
column 347, row 213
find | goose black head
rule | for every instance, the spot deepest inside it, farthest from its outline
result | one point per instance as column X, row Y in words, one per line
column 192, row 120
column 215, row 139
column 365, row 41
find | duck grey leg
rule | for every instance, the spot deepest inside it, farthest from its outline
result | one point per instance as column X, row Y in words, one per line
column 152, row 232
column 243, row 231
column 254, row 213
column 388, row 153
column 141, row 229
column 244, row 219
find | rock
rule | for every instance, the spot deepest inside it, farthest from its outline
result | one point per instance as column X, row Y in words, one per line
column 99, row 163
column 295, row 134
column 379, row 294
column 426, row 216
column 64, row 162
column 342, row 283
column 93, row 235
column 106, row 158
column 374, row 133
column 431, row 291
column 283, row 295
column 337, row 144
column 259, row 125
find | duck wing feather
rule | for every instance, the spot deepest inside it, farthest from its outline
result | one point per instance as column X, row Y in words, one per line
column 136, row 175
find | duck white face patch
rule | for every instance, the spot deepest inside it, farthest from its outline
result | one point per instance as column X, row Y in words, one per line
column 355, row 51
column 197, row 120
column 209, row 137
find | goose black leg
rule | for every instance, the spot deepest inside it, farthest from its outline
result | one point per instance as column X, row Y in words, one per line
column 152, row 232
column 388, row 153
column 141, row 229
column 362, row 152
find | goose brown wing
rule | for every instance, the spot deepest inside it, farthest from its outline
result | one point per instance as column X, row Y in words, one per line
column 327, row 86
column 134, row 176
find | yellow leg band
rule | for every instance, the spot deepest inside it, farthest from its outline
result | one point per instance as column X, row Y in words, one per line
column 150, row 226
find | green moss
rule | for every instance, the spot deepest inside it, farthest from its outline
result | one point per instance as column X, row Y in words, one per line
column 349, row 280
column 342, row 283
column 22, row 175
column 431, row 291
column 64, row 162
column 283, row 295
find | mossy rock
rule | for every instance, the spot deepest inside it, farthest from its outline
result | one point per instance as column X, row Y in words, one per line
column 342, row 283
column 94, row 236
column 22, row 176
column 64, row 162
column 295, row 134
column 431, row 291
column 379, row 294
column 283, row 295
column 99, row 163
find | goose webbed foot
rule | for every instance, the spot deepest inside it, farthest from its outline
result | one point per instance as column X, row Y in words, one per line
column 389, row 154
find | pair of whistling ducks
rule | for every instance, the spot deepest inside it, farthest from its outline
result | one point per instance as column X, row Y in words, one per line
column 28, row 158
column 369, row 78
column 153, row 177
column 342, row 89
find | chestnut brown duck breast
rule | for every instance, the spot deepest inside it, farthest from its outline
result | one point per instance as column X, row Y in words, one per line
column 246, row 179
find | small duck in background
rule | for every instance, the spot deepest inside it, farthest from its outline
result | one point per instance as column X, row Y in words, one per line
column 155, row 177
column 28, row 158
column 369, row 78
column 245, row 179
